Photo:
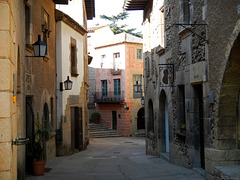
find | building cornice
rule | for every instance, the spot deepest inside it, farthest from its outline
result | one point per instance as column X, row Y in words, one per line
column 60, row 16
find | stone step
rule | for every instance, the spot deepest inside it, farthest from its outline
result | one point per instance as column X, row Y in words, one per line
column 101, row 131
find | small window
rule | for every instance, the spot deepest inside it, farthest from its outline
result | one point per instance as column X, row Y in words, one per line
column 73, row 56
column 27, row 23
column 139, row 53
column 103, row 57
column 116, row 55
column 116, row 61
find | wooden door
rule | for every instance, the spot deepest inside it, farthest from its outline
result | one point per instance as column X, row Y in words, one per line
column 76, row 128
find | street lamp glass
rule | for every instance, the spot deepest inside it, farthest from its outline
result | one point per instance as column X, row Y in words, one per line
column 39, row 48
column 68, row 84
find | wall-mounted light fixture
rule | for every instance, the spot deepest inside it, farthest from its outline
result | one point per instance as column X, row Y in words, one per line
column 142, row 101
column 39, row 48
column 136, row 87
column 125, row 106
column 67, row 84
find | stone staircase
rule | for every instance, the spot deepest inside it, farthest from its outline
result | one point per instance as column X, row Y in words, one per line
column 140, row 133
column 101, row 131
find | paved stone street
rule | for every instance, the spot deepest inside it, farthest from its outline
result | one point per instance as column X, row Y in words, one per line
column 114, row 159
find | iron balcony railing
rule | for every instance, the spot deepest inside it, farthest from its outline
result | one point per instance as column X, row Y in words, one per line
column 109, row 97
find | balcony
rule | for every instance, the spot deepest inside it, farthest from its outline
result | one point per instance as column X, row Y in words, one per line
column 109, row 97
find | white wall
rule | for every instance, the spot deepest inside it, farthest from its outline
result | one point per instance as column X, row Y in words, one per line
column 74, row 9
column 63, row 41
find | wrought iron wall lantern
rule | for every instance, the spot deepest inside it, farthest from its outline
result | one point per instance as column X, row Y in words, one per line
column 67, row 84
column 142, row 101
column 137, row 87
column 125, row 106
column 39, row 48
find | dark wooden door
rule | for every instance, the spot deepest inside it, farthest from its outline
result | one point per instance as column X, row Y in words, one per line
column 114, row 120
column 76, row 128
column 199, row 114
column 29, row 131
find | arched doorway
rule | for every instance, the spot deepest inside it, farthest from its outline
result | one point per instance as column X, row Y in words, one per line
column 140, row 119
column 164, row 124
column 150, row 117
column 228, row 136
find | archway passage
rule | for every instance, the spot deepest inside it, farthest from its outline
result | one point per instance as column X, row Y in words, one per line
column 164, row 124
column 228, row 125
column 150, row 117
column 140, row 119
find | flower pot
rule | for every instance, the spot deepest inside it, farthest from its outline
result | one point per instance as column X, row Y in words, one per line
column 38, row 168
column 96, row 121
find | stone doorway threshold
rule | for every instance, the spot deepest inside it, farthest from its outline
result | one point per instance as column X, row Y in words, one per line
column 165, row 156
column 200, row 171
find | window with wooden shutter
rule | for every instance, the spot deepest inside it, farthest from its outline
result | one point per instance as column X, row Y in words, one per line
column 73, row 56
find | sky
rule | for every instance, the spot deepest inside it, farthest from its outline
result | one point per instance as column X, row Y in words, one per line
column 114, row 7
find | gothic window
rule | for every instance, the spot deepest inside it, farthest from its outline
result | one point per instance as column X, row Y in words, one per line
column 185, row 12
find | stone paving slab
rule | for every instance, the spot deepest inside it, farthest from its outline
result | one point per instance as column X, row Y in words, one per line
column 115, row 159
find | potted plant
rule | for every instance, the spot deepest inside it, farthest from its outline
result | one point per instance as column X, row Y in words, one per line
column 37, row 147
column 96, row 117
column 182, row 127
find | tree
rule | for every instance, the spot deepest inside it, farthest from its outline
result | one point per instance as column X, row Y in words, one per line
column 119, row 29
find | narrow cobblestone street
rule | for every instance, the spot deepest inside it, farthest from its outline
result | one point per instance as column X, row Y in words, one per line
column 114, row 159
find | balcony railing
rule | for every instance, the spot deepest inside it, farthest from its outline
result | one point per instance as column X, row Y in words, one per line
column 109, row 97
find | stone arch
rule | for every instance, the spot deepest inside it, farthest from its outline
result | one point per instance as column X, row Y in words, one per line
column 163, row 129
column 226, row 132
column 150, row 123
column 141, row 119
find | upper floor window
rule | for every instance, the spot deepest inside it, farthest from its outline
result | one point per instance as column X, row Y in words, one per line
column 73, row 56
column 138, row 88
column 185, row 12
column 45, row 27
column 116, row 61
column 104, row 88
column 27, row 24
column 117, row 88
column 103, row 57
column 139, row 53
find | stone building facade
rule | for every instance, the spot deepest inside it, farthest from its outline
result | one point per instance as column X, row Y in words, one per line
column 118, row 64
column 191, row 82
column 27, row 84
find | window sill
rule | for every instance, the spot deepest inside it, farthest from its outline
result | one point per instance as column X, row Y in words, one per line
column 46, row 58
column 74, row 74
column 183, row 31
